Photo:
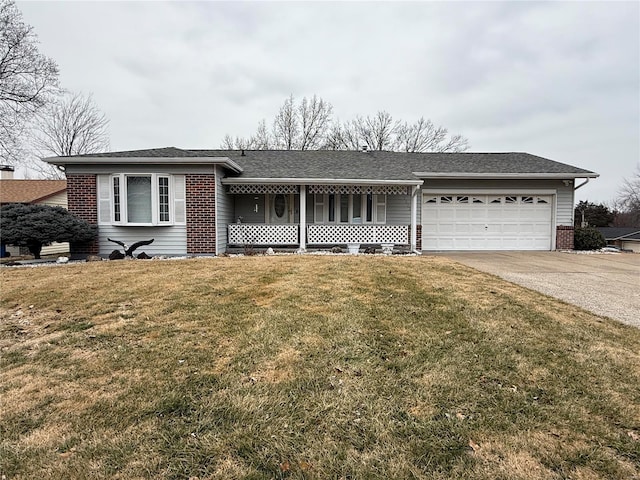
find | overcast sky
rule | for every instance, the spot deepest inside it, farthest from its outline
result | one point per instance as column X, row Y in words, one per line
column 559, row 80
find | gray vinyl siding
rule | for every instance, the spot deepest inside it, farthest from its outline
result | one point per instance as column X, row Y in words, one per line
column 564, row 207
column 224, row 212
column 167, row 240
column 398, row 209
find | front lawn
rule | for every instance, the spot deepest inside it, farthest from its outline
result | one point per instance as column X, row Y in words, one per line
column 308, row 367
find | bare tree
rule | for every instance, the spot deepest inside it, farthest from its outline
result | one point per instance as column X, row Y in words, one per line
column 351, row 138
column 28, row 79
column 628, row 201
column 376, row 132
column 424, row 136
column 73, row 126
column 286, row 126
column 263, row 139
column 334, row 138
column 228, row 143
column 309, row 126
column 295, row 127
column 315, row 119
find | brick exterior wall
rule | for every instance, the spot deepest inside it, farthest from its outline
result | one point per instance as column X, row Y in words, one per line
column 200, row 199
column 419, row 237
column 564, row 237
column 82, row 200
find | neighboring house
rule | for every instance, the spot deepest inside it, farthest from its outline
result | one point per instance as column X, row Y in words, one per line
column 622, row 237
column 44, row 192
column 200, row 202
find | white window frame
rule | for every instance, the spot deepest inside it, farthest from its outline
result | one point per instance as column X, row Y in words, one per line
column 378, row 206
column 155, row 199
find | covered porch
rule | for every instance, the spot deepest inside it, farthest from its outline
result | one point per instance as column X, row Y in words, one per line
column 316, row 215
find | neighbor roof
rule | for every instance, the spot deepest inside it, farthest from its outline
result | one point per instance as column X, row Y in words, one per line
column 339, row 164
column 620, row 233
column 29, row 191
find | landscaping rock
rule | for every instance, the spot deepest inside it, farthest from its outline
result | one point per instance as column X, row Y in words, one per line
column 336, row 250
column 93, row 258
column 269, row 251
column 62, row 260
column 143, row 256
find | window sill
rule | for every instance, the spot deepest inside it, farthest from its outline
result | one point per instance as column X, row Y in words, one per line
column 142, row 224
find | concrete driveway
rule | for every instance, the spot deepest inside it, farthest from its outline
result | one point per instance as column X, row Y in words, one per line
column 605, row 284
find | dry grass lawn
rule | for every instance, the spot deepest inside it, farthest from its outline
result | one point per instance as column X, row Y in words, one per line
column 308, row 367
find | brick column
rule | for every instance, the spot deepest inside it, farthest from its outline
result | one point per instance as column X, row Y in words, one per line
column 201, row 214
column 564, row 237
column 418, row 236
column 82, row 199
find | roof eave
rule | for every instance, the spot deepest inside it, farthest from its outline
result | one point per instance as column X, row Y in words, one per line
column 224, row 161
column 624, row 237
column 317, row 181
column 526, row 176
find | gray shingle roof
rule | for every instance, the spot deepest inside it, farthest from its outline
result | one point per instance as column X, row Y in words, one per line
column 615, row 233
column 373, row 165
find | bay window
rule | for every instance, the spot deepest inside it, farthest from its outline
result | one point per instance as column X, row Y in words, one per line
column 141, row 199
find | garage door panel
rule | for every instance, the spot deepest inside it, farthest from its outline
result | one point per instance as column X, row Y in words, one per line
column 464, row 229
column 476, row 229
column 487, row 222
column 446, row 228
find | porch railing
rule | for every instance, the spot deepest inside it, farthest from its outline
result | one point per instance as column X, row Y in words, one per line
column 263, row 234
column 317, row 234
column 326, row 234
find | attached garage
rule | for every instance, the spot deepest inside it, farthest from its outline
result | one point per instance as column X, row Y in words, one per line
column 470, row 221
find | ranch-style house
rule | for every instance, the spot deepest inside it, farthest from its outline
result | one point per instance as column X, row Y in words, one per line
column 205, row 202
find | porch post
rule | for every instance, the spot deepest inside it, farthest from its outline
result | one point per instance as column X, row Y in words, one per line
column 414, row 216
column 303, row 217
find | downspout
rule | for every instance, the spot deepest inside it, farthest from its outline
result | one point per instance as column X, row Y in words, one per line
column 586, row 180
column 414, row 219
column 215, row 208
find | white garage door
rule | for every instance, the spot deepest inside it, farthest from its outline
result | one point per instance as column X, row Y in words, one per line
column 486, row 222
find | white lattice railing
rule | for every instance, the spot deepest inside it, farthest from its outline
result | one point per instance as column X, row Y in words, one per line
column 323, row 234
column 262, row 234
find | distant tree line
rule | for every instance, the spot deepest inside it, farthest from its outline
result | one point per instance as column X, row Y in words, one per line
column 624, row 211
column 309, row 125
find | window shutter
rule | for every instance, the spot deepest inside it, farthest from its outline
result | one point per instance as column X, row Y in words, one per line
column 179, row 203
column 104, row 198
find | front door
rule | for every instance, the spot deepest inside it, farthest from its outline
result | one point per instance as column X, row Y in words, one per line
column 279, row 208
